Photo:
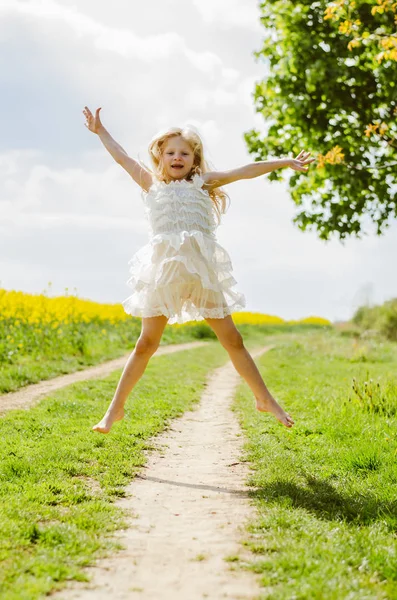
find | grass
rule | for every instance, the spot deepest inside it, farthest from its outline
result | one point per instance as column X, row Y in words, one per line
column 58, row 479
column 45, row 354
column 325, row 491
column 200, row 557
column 41, row 353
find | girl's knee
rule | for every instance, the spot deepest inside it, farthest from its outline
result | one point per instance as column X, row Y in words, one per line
column 233, row 340
column 146, row 345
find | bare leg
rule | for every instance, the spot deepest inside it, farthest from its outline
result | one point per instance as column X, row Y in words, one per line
column 231, row 340
column 146, row 346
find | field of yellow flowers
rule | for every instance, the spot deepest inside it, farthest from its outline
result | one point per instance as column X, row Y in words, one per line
column 34, row 324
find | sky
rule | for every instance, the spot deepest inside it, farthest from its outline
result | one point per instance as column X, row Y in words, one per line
column 71, row 218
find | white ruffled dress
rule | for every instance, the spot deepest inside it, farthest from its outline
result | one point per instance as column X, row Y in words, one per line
column 183, row 272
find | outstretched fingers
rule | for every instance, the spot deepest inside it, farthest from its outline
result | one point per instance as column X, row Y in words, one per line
column 93, row 123
column 302, row 160
column 88, row 116
column 304, row 157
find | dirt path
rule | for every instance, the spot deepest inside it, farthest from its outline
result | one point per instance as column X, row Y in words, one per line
column 189, row 506
column 30, row 394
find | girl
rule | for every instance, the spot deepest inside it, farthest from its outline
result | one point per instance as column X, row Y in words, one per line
column 183, row 274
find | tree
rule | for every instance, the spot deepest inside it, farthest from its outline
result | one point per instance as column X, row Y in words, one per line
column 332, row 89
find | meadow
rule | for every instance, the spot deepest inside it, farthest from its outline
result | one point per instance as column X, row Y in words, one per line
column 59, row 480
column 324, row 491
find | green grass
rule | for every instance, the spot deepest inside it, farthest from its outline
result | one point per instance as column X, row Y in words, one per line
column 58, row 479
column 29, row 354
column 36, row 354
column 325, row 491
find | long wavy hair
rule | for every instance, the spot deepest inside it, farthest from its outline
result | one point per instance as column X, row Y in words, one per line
column 200, row 164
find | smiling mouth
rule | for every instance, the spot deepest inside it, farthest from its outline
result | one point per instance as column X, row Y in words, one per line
column 177, row 166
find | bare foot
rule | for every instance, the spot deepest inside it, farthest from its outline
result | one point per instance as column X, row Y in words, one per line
column 105, row 425
column 270, row 405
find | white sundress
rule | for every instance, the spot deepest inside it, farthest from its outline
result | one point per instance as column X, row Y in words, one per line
column 183, row 272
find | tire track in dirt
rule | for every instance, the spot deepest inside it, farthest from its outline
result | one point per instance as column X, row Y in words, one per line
column 27, row 396
column 189, row 507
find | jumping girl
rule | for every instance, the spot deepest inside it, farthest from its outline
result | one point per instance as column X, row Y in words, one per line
column 183, row 273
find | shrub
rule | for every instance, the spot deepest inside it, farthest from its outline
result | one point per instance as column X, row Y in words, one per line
column 381, row 318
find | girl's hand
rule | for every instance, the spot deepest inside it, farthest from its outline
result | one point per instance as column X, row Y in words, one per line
column 93, row 123
column 298, row 163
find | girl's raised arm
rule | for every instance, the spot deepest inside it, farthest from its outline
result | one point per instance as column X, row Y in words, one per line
column 138, row 173
column 213, row 179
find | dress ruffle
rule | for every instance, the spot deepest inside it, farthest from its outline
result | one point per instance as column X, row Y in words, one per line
column 184, row 275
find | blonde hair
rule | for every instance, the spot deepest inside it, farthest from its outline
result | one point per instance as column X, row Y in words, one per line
column 200, row 165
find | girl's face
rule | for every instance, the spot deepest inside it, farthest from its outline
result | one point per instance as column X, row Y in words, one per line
column 178, row 158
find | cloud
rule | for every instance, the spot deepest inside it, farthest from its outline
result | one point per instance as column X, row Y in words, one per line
column 124, row 42
column 90, row 257
column 37, row 194
column 230, row 13
column 241, row 94
column 206, row 99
